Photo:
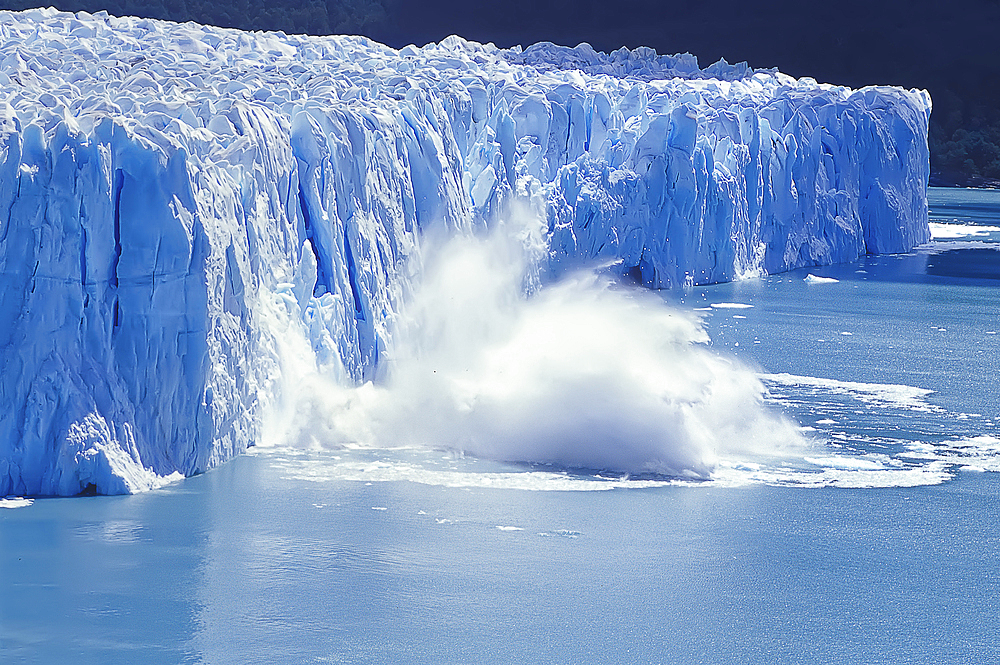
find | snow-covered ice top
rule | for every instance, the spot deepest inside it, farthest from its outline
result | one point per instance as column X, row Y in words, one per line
column 180, row 201
column 642, row 63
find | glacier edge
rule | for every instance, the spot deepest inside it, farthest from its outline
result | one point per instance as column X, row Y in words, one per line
column 179, row 201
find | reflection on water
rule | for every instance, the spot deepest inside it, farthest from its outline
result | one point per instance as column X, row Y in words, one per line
column 965, row 223
column 970, row 206
column 243, row 565
column 101, row 579
column 971, row 263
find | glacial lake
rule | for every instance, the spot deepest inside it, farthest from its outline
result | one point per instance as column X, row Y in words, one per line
column 881, row 547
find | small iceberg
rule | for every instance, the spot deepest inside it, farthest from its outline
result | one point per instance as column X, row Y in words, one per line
column 15, row 502
column 816, row 279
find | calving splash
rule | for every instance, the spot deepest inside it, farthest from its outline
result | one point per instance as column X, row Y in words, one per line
column 580, row 374
column 588, row 384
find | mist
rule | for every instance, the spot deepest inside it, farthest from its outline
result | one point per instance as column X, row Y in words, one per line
column 582, row 373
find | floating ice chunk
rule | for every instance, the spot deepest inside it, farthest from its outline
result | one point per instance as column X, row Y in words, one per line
column 15, row 502
column 814, row 279
column 563, row 533
column 948, row 231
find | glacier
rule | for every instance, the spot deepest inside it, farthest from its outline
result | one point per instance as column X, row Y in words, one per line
column 181, row 203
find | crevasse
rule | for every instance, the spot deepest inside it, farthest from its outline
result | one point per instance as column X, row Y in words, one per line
column 177, row 200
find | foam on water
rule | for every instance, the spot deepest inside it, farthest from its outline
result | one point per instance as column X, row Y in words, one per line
column 975, row 453
column 369, row 465
column 875, row 394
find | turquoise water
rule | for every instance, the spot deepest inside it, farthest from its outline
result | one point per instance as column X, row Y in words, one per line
column 883, row 549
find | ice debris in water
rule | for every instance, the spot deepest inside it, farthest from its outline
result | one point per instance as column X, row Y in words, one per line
column 15, row 502
column 192, row 216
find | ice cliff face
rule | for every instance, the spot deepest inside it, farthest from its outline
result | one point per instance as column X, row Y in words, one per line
column 177, row 200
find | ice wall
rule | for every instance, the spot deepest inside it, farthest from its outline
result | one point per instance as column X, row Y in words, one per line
column 179, row 203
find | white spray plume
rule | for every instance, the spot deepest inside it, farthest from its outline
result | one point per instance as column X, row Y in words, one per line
column 579, row 374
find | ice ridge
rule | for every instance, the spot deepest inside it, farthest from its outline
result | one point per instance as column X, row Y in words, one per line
column 642, row 63
column 180, row 203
